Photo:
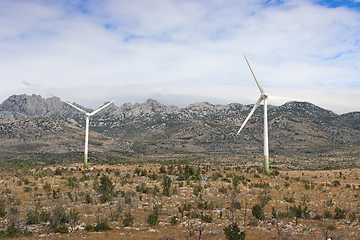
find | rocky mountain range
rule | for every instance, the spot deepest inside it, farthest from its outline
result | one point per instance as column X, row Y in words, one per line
column 35, row 124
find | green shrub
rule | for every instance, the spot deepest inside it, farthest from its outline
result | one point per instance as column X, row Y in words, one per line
column 128, row 220
column 215, row 176
column 88, row 198
column 162, row 170
column 289, row 200
column 224, row 179
column 59, row 217
column 205, row 205
column 174, row 221
column 106, row 186
column 154, row 176
column 258, row 212
column 105, row 198
column 127, row 199
column 89, row 228
column 102, row 226
column 237, row 205
column 275, row 173
column 61, row 229
column 56, row 193
column 331, row 227
column 157, row 209
column 58, row 171
column 352, row 217
column 232, row 232
column 206, row 218
column 328, row 214
column 197, row 189
column 336, row 183
column 13, row 231
column 253, row 222
column 70, row 196
column 193, row 214
column 262, row 185
column 72, row 182
column 223, row 190
column 45, row 216
column 330, row 203
column 2, row 209
column 74, row 216
column 152, row 219
column 339, row 213
column 142, row 188
column 33, row 217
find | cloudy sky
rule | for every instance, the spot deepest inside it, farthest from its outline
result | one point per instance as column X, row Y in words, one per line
column 182, row 51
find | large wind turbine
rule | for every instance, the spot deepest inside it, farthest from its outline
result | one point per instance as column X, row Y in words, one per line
column 263, row 97
column 87, row 118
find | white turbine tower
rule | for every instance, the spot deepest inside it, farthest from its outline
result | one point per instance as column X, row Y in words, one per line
column 263, row 97
column 87, row 118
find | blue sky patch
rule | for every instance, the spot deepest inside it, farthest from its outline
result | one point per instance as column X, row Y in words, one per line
column 339, row 3
column 131, row 37
column 110, row 26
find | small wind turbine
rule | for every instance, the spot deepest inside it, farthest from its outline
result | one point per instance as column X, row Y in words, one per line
column 87, row 118
column 263, row 97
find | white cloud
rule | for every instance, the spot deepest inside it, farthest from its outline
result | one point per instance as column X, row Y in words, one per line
column 168, row 46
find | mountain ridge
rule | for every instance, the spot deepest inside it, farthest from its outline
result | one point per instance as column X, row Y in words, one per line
column 151, row 127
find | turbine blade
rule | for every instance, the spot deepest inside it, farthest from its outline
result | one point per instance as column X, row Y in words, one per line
column 261, row 88
column 250, row 114
column 101, row 108
column 81, row 110
column 286, row 98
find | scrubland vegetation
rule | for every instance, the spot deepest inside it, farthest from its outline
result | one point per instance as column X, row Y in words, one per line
column 180, row 197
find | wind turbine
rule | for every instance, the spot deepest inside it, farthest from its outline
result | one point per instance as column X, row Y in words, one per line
column 263, row 97
column 87, row 118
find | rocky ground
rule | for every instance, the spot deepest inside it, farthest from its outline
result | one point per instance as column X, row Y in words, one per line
column 179, row 199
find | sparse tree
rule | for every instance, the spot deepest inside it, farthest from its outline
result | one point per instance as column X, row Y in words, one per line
column 106, row 188
column 166, row 186
column 232, row 232
column 190, row 228
column 298, row 212
column 278, row 224
column 258, row 212
column 47, row 189
column 128, row 220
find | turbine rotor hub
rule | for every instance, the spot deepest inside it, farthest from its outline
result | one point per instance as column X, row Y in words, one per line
column 264, row 96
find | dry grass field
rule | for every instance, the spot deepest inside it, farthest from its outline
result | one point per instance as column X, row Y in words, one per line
column 179, row 200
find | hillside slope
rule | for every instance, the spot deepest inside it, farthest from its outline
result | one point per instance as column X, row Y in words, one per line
column 294, row 128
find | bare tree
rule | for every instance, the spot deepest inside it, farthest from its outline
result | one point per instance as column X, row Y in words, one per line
column 245, row 209
column 190, row 228
column 278, row 224
column 200, row 227
column 325, row 230
column 264, row 196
